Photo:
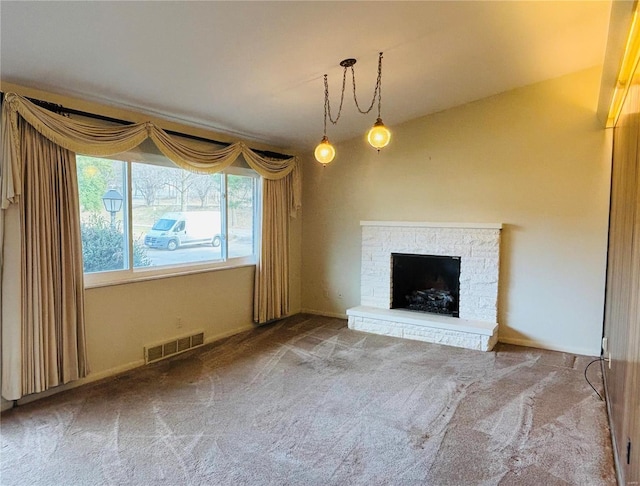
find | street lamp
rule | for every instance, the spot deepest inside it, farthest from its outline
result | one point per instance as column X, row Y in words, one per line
column 112, row 201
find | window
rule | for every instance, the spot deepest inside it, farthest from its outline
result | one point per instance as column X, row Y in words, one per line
column 145, row 219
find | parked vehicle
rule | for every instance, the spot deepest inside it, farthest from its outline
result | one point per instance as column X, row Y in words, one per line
column 184, row 228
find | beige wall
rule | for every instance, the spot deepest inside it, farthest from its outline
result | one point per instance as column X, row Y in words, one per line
column 533, row 158
column 121, row 319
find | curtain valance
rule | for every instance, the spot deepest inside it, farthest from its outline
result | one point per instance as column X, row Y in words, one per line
column 99, row 141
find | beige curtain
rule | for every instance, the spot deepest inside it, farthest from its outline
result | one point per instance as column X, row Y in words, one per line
column 271, row 299
column 50, row 334
column 78, row 137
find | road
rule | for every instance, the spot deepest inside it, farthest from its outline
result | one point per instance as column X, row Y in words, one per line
column 197, row 253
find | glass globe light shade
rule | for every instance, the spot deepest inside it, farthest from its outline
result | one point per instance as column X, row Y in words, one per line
column 379, row 135
column 325, row 152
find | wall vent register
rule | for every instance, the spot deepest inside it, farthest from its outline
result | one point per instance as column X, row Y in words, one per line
column 164, row 350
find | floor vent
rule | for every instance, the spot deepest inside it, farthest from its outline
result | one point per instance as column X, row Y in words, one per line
column 173, row 347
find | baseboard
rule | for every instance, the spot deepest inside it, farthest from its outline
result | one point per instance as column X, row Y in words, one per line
column 547, row 345
column 507, row 340
column 93, row 377
column 6, row 405
column 324, row 313
column 226, row 334
column 75, row 384
column 612, row 432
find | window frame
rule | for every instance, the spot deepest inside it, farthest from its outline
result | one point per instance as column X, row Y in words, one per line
column 133, row 274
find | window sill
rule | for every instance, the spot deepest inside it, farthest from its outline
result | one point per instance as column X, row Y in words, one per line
column 109, row 279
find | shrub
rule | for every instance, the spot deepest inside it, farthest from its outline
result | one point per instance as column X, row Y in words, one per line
column 103, row 246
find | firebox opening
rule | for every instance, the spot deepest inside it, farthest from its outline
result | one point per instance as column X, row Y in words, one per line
column 426, row 283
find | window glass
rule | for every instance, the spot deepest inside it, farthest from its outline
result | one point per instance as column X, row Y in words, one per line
column 176, row 215
column 156, row 218
column 103, row 210
column 241, row 197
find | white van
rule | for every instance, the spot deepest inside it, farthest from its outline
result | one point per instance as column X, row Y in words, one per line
column 177, row 229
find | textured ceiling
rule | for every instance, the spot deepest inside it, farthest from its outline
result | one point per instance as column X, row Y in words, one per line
column 254, row 69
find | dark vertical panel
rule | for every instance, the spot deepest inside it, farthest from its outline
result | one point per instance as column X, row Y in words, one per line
column 622, row 316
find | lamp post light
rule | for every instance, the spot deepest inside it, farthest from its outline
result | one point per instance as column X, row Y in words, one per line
column 112, row 201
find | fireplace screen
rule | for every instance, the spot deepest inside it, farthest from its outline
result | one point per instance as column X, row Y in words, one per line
column 426, row 283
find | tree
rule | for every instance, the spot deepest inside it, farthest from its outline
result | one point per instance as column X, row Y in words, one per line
column 207, row 186
column 181, row 181
column 240, row 189
column 148, row 180
column 240, row 195
column 94, row 176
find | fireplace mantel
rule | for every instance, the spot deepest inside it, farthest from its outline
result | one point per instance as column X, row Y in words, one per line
column 423, row 224
column 478, row 247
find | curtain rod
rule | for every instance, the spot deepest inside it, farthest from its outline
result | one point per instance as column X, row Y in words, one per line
column 56, row 108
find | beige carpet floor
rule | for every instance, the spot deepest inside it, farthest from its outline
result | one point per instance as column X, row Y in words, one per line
column 306, row 401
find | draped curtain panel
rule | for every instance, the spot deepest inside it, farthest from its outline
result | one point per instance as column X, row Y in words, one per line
column 271, row 300
column 18, row 187
column 48, row 329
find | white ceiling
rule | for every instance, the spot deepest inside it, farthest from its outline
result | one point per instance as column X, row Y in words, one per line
column 254, row 69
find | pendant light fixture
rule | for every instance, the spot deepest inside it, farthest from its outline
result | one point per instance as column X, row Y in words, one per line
column 378, row 136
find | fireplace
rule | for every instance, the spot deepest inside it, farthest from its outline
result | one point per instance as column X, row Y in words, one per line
column 426, row 283
column 456, row 292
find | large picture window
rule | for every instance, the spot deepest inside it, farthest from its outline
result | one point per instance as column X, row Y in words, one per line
column 141, row 220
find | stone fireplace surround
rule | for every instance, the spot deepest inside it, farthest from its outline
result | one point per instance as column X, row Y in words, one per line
column 477, row 245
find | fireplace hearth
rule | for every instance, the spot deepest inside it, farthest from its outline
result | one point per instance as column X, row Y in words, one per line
column 457, row 304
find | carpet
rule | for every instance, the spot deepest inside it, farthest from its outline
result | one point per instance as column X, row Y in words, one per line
column 306, row 401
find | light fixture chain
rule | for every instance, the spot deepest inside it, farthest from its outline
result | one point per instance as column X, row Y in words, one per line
column 377, row 92
column 379, row 85
column 328, row 103
column 378, row 136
